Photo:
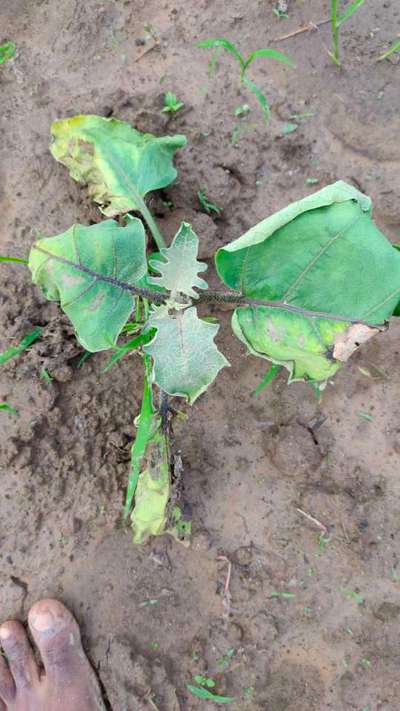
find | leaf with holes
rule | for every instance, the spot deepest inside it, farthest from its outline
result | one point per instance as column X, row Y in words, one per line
column 119, row 164
column 186, row 359
column 326, row 278
column 179, row 268
column 90, row 270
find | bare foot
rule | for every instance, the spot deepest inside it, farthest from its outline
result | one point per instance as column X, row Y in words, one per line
column 68, row 682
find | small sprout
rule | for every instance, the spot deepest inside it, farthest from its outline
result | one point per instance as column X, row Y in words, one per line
column 366, row 662
column 322, row 543
column 288, row 128
column 365, row 416
column 171, row 103
column 394, row 575
column 279, row 13
column 283, row 595
column 154, row 646
column 84, row 357
column 308, row 611
column 151, row 601
column 248, row 692
column 207, row 205
column 242, row 110
column 336, row 22
column 349, row 631
column 8, row 408
column 311, row 572
column 8, row 50
column 353, row 595
column 312, row 181
column 224, row 661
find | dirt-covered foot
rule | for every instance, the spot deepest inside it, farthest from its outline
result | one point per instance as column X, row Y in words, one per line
column 67, row 682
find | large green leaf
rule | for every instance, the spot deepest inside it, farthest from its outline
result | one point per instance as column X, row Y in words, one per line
column 179, row 268
column 314, row 271
column 186, row 359
column 89, row 270
column 116, row 161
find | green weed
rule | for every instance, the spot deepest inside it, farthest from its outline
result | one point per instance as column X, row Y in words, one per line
column 171, row 103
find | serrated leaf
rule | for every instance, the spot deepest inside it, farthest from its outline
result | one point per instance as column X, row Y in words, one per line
column 115, row 160
column 90, row 270
column 186, row 359
column 325, row 276
column 180, row 267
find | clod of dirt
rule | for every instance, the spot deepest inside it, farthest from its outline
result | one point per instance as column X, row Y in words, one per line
column 294, row 452
column 387, row 611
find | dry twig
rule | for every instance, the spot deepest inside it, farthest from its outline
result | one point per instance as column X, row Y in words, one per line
column 307, row 28
column 227, row 599
column 313, row 520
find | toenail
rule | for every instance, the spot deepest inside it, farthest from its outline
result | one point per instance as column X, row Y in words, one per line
column 43, row 621
column 5, row 633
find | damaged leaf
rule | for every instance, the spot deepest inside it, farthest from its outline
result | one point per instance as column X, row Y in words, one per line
column 89, row 271
column 322, row 266
column 179, row 268
column 186, row 359
column 119, row 164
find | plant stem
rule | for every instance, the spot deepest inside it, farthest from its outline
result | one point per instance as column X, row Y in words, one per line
column 335, row 33
column 149, row 219
column 143, row 435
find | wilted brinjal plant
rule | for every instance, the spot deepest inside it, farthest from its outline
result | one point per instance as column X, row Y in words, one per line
column 309, row 285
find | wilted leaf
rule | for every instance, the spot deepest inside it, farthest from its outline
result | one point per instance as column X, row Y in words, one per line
column 89, row 270
column 186, row 359
column 320, row 266
column 180, row 267
column 149, row 516
column 114, row 159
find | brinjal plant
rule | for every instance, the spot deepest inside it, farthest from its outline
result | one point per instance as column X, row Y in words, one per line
column 308, row 286
column 336, row 22
column 221, row 43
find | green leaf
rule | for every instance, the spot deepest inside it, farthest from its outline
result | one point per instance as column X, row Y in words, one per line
column 119, row 164
column 180, row 267
column 186, row 359
column 7, row 408
column 17, row 350
column 321, row 275
column 259, row 95
column 202, row 693
column 90, row 271
column 395, row 48
column 268, row 377
column 350, row 10
column 7, row 51
column 271, row 53
column 127, row 348
column 13, row 259
column 225, row 44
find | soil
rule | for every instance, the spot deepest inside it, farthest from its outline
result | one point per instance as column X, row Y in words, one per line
column 155, row 616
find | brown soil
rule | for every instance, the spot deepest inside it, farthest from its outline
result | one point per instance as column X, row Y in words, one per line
column 249, row 463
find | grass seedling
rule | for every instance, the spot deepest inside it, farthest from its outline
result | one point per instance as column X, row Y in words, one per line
column 207, row 205
column 223, row 43
column 283, row 595
column 15, row 351
column 208, row 695
column 353, row 595
column 395, row 48
column 336, row 22
column 271, row 374
column 8, row 408
column 7, row 51
column 171, row 103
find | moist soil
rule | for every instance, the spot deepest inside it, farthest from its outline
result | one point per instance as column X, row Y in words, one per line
column 154, row 616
